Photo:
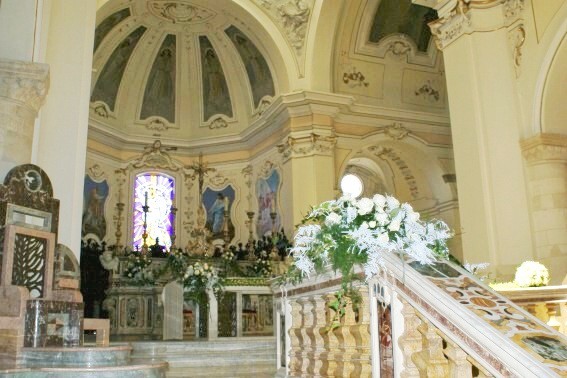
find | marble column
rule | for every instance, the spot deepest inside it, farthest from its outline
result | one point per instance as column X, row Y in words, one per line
column 23, row 87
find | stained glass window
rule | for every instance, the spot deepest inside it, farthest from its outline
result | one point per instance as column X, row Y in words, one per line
column 157, row 192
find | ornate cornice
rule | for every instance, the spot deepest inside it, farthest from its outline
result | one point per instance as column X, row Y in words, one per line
column 457, row 17
column 307, row 145
column 545, row 147
column 451, row 25
column 24, row 82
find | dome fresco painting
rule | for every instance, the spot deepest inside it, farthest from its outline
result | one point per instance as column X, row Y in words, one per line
column 169, row 61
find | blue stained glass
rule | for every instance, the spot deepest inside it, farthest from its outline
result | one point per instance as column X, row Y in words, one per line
column 159, row 191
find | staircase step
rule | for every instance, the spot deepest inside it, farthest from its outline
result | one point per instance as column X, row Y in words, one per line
column 80, row 356
column 150, row 369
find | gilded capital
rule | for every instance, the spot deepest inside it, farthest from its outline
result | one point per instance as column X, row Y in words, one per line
column 25, row 83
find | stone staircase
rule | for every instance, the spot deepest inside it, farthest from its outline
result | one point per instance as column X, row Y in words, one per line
column 82, row 362
column 224, row 358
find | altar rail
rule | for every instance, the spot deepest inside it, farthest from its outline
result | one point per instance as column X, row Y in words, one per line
column 414, row 321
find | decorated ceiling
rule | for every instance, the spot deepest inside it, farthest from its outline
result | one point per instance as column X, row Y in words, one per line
column 162, row 65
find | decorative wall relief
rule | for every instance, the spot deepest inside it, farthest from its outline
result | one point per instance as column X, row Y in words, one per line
column 354, row 78
column 427, row 91
column 108, row 82
column 157, row 124
column 257, row 68
column 217, row 205
column 292, row 17
column 389, row 154
column 517, row 37
column 267, row 195
column 396, row 131
column 156, row 156
column 307, row 145
column 452, row 24
column 179, row 11
column 218, row 123
column 159, row 95
column 95, row 194
column 423, row 88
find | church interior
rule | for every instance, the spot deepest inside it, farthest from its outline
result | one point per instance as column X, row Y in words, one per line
column 152, row 143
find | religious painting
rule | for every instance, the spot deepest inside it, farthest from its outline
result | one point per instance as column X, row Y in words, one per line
column 108, row 24
column 401, row 16
column 267, row 194
column 216, row 203
column 106, row 87
column 216, row 98
column 157, row 192
column 256, row 66
column 95, row 195
column 159, row 95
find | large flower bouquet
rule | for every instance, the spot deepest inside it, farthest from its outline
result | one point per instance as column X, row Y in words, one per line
column 138, row 269
column 531, row 274
column 346, row 232
column 198, row 278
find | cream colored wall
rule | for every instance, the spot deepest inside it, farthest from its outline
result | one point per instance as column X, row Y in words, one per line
column 63, row 122
column 17, row 29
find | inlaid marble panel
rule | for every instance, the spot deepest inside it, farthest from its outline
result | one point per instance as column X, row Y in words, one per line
column 543, row 343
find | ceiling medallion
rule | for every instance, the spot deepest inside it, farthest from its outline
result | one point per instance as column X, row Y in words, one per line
column 179, row 11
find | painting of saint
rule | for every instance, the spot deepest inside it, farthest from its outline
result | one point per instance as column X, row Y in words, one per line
column 216, row 202
column 159, row 96
column 256, row 66
column 107, row 84
column 267, row 192
column 216, row 98
column 94, row 198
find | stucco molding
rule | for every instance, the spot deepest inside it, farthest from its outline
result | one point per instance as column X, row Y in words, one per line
column 307, row 145
column 459, row 17
column 24, row 82
column 545, row 148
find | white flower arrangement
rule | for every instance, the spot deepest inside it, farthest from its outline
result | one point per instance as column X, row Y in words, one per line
column 346, row 232
column 199, row 277
column 138, row 269
column 531, row 274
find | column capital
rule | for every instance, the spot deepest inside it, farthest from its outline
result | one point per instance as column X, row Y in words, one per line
column 25, row 83
column 545, row 147
column 312, row 142
column 458, row 17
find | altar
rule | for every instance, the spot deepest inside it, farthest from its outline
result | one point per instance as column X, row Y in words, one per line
column 147, row 300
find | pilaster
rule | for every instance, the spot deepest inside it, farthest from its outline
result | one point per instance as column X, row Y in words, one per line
column 546, row 168
column 308, row 154
column 23, row 87
column 482, row 63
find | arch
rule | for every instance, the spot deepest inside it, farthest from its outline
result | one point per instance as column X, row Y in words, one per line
column 549, row 91
column 327, row 15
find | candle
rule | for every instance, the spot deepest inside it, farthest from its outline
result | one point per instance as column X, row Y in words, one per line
column 146, row 200
column 273, row 205
column 226, row 203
